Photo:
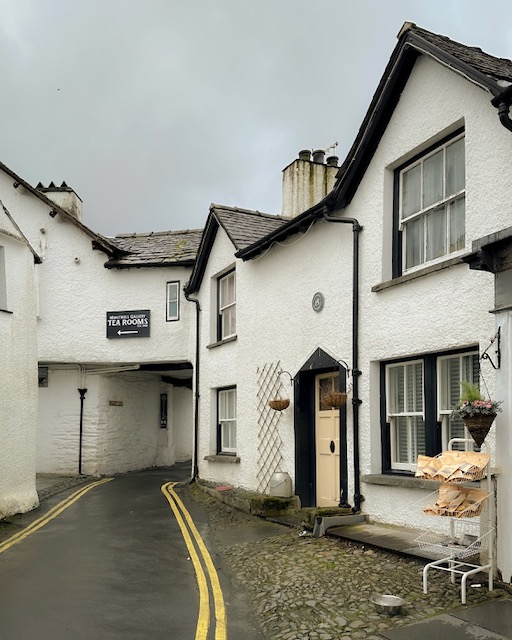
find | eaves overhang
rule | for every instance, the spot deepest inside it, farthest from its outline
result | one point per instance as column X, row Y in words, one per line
column 203, row 253
column 114, row 264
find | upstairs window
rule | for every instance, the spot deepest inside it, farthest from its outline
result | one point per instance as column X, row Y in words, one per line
column 431, row 205
column 173, row 301
column 226, row 409
column 227, row 306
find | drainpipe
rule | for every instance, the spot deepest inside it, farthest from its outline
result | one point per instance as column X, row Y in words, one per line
column 356, row 228
column 502, row 102
column 195, row 470
column 82, row 393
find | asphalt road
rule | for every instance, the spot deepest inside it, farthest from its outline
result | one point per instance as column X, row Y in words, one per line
column 115, row 564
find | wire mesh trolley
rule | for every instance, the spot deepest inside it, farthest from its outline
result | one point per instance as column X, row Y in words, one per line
column 464, row 546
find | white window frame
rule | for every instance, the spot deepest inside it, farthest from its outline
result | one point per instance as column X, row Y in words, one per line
column 447, row 201
column 227, row 420
column 393, row 416
column 444, row 413
column 226, row 308
column 173, row 296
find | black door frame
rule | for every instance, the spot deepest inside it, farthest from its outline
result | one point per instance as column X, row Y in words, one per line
column 304, row 426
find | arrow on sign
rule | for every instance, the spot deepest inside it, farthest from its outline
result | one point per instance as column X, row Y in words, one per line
column 121, row 333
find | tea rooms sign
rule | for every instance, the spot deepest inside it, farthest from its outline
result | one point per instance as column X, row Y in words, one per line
column 128, row 324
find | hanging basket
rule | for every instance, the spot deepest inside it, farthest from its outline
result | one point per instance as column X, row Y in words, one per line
column 478, row 426
column 279, row 404
column 335, row 400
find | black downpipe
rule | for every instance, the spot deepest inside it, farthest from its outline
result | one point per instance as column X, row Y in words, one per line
column 195, row 468
column 504, row 115
column 503, row 102
column 356, row 228
column 82, row 393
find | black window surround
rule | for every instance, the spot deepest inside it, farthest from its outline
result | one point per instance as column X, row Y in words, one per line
column 433, row 431
column 397, row 241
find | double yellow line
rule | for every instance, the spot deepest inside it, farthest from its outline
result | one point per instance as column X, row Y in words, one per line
column 200, row 557
column 50, row 515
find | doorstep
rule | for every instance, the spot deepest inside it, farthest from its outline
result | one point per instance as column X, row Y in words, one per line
column 396, row 539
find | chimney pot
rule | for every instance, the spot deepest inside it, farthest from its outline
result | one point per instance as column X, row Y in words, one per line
column 318, row 156
column 332, row 161
column 305, row 154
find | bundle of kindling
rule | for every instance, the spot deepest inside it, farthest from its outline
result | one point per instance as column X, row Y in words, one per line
column 453, row 466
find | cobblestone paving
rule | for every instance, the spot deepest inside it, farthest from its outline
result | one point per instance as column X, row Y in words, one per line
column 305, row 588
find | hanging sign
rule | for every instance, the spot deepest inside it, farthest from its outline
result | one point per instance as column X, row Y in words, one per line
column 128, row 324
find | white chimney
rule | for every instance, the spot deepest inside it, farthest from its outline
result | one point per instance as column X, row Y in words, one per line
column 63, row 197
column 306, row 181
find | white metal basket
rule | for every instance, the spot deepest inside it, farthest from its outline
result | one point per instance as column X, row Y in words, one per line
column 465, row 539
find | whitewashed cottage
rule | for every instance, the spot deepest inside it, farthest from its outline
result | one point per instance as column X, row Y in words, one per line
column 366, row 287
column 18, row 369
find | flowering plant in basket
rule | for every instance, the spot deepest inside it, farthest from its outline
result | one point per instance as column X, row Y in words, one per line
column 471, row 403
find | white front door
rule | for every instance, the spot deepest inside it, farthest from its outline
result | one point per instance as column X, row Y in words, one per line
column 327, row 433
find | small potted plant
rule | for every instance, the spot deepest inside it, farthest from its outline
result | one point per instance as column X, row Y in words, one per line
column 477, row 413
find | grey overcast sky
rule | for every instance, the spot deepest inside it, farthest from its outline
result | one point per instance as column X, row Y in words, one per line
column 153, row 109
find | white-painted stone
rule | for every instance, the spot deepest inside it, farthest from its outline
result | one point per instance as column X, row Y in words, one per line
column 18, row 375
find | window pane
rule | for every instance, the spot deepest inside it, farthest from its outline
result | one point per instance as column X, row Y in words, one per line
column 402, row 440
column 414, row 243
column 228, row 436
column 227, row 290
column 457, row 224
column 396, row 395
column 419, row 437
column 411, row 191
column 455, row 168
column 436, row 233
column 433, row 179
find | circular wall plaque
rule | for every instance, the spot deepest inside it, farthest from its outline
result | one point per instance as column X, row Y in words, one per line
column 318, row 301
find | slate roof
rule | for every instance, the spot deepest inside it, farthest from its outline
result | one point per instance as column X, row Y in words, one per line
column 243, row 226
column 495, row 68
column 156, row 249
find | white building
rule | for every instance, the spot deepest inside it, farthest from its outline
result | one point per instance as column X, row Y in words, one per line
column 18, row 368
column 382, row 303
column 115, row 339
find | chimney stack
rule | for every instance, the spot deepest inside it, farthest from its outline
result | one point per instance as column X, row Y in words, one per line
column 64, row 197
column 306, row 181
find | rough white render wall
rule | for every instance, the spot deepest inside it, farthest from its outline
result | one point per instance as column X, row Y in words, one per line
column 275, row 323
column 182, row 423
column 18, row 382
column 131, row 440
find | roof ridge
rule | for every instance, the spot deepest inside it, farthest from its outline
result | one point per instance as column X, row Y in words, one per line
column 253, row 212
column 148, row 234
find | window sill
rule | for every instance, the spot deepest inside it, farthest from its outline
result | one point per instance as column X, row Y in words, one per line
column 406, row 482
column 226, row 459
column 418, row 274
column 217, row 344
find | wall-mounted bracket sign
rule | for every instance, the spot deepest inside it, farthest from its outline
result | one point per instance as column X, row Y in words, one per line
column 128, row 324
